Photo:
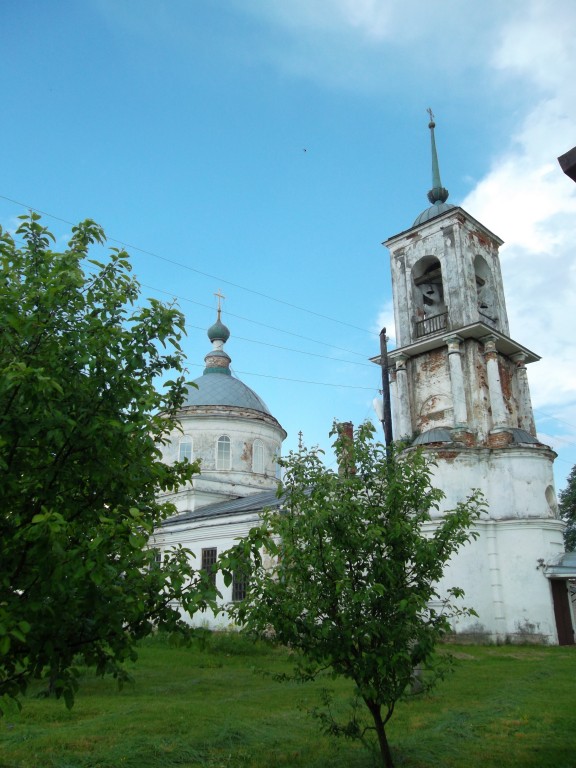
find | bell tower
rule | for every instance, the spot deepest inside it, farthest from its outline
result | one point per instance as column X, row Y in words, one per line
column 459, row 391
column 456, row 366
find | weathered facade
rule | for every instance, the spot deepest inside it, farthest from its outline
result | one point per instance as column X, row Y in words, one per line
column 460, row 391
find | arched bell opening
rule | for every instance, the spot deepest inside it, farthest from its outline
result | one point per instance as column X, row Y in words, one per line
column 431, row 312
column 485, row 292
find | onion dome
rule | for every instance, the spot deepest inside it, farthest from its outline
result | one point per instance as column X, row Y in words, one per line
column 217, row 386
column 218, row 361
column 218, row 331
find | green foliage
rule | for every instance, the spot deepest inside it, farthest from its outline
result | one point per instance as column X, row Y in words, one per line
column 567, row 505
column 81, row 422
column 347, row 571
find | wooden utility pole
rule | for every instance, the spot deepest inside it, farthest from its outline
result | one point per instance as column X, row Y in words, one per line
column 387, row 415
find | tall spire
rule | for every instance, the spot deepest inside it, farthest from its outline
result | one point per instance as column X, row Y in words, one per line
column 438, row 193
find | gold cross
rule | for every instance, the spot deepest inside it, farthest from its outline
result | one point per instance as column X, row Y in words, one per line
column 220, row 296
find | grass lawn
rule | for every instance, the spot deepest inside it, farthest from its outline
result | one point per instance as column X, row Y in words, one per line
column 504, row 707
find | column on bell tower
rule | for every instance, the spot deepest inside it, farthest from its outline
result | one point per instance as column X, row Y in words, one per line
column 403, row 398
column 457, row 381
column 497, row 404
column 525, row 413
column 394, row 397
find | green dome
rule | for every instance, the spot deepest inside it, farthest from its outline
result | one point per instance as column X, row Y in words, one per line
column 430, row 213
column 218, row 331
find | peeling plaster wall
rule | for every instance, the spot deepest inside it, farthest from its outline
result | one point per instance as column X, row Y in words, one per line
column 431, row 399
column 477, row 392
column 455, row 240
column 430, row 388
column 243, row 427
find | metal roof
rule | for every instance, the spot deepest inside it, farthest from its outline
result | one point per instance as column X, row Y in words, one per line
column 435, row 435
column 220, row 389
column 564, row 567
column 255, row 502
column 430, row 213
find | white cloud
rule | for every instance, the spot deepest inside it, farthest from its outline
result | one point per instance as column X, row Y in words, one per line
column 539, row 44
column 379, row 43
column 385, row 319
column 367, row 18
column 527, row 200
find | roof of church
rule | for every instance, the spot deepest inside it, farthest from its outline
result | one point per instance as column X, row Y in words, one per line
column 218, row 389
column 255, row 502
column 430, row 213
column 217, row 385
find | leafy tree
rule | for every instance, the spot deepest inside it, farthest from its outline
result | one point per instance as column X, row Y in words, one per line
column 567, row 506
column 81, row 421
column 346, row 572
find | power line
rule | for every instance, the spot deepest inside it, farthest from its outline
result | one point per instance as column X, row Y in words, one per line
column 270, row 298
column 254, row 322
column 299, row 381
column 193, row 269
column 290, row 349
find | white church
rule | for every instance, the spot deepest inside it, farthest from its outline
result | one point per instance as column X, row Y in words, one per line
column 229, row 428
column 459, row 391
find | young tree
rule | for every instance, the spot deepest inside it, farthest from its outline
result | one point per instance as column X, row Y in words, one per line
column 81, row 421
column 567, row 505
column 350, row 571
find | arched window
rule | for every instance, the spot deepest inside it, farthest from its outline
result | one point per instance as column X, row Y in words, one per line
column 185, row 449
column 486, row 301
column 430, row 309
column 277, row 465
column 258, row 457
column 552, row 501
column 223, row 452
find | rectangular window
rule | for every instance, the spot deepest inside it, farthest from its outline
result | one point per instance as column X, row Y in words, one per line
column 157, row 558
column 239, row 583
column 223, row 452
column 209, row 562
column 258, row 457
column 185, row 451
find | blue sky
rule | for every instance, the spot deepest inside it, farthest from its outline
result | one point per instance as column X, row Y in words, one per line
column 267, row 147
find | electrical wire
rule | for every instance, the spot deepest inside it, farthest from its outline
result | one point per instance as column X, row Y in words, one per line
column 254, row 322
column 195, row 270
column 270, row 298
